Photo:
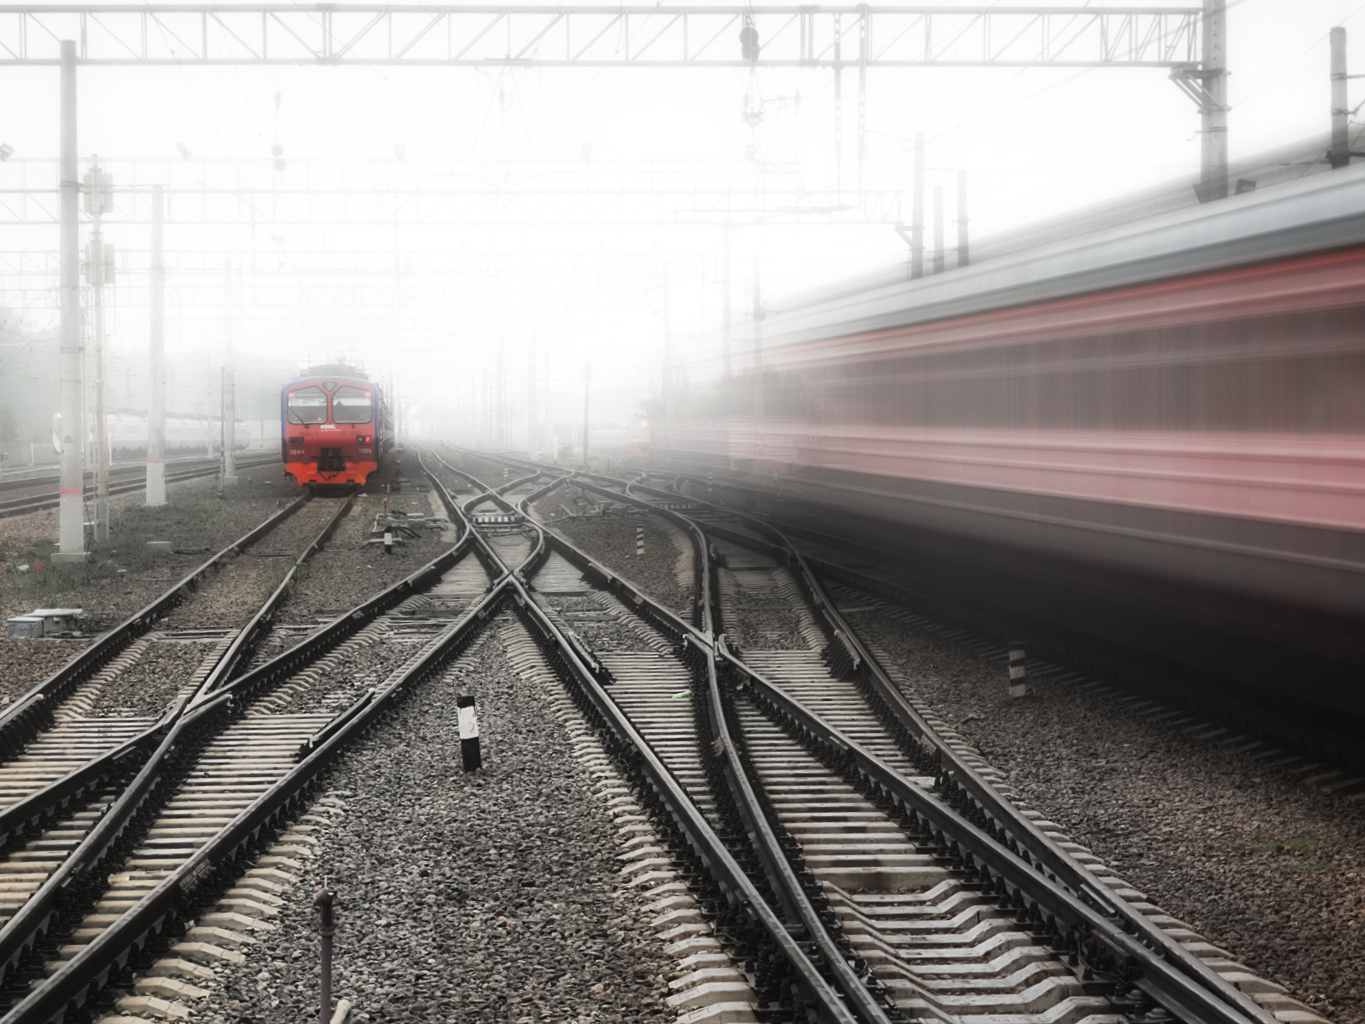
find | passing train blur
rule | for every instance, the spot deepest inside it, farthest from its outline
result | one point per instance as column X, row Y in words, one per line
column 336, row 427
column 186, row 434
column 1150, row 438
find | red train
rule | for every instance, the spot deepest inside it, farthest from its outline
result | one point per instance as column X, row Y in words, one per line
column 336, row 427
column 1150, row 438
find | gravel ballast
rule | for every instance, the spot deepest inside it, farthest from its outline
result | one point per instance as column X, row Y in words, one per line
column 349, row 569
column 1252, row 858
column 611, row 539
column 491, row 896
column 195, row 520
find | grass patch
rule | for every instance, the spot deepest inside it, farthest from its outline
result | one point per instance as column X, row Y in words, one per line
column 1298, row 844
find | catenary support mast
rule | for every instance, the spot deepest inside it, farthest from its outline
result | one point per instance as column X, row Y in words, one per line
column 69, row 431
column 156, row 419
column 229, row 392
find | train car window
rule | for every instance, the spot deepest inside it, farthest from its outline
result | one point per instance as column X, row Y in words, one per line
column 351, row 405
column 307, row 405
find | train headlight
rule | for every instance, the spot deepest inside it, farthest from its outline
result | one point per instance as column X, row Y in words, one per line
column 362, row 438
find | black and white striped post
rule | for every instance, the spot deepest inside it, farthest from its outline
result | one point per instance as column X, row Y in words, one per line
column 469, row 733
column 1018, row 687
column 639, row 540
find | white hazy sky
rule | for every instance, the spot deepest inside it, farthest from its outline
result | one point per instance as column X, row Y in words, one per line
column 1035, row 143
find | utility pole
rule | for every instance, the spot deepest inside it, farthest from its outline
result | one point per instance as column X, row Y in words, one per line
column 1215, row 112
column 1340, row 153
column 940, row 260
column 532, row 444
column 838, row 112
column 229, row 393
column 758, row 317
column 500, row 404
column 917, row 211
column 70, row 427
column 156, row 419
column 668, row 350
column 587, row 379
column 98, row 200
column 961, row 218
column 725, row 302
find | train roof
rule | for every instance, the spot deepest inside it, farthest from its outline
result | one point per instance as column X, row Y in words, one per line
column 1316, row 214
column 309, row 378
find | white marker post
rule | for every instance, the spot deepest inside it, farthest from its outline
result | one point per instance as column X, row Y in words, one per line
column 1018, row 687
column 469, row 733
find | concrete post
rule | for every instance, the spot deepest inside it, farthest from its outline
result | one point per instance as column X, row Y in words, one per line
column 97, row 279
column 156, row 419
column 229, row 392
column 1018, row 684
column 468, row 723
column 668, row 349
column 961, row 218
column 1340, row 153
column 725, row 302
column 587, row 380
column 940, row 258
column 1214, row 112
column 71, row 433
column 532, row 434
column 917, row 211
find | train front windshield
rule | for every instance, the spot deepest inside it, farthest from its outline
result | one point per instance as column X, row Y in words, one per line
column 307, row 405
column 351, row 405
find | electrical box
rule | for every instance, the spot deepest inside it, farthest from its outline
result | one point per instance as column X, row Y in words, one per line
column 55, row 620
column 23, row 627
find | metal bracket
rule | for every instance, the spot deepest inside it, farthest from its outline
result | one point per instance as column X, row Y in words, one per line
column 1190, row 79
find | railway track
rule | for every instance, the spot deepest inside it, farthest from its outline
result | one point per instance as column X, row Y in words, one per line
column 162, row 822
column 133, row 481
column 855, row 861
column 919, row 877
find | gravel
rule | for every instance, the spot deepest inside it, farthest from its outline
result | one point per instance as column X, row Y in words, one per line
column 147, row 688
column 1257, row 862
column 348, row 569
column 611, row 540
column 196, row 521
column 483, row 897
column 26, row 662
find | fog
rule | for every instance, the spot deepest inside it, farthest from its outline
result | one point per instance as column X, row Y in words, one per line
column 475, row 237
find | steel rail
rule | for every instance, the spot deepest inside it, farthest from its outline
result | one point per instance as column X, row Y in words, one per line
column 803, row 919
column 23, row 719
column 738, row 774
column 727, row 872
column 1177, row 979
column 23, row 506
column 43, row 477
column 1183, row 982
column 1214, row 999
column 208, row 867
column 146, row 753
column 94, row 966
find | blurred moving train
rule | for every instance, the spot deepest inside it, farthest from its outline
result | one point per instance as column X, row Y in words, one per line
column 1149, row 439
column 186, row 434
column 336, row 427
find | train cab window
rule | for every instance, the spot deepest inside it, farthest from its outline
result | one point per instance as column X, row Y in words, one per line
column 351, row 405
column 307, row 405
